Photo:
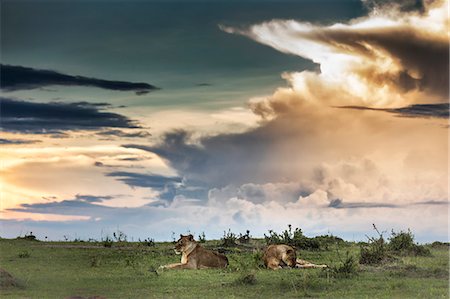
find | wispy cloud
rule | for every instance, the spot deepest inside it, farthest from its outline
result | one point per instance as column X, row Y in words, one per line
column 17, row 141
column 56, row 117
column 122, row 134
column 144, row 180
column 440, row 110
column 20, row 77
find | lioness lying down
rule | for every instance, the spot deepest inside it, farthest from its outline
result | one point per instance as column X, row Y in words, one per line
column 280, row 256
column 194, row 256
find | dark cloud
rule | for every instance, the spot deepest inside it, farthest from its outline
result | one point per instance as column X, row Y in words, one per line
column 419, row 110
column 433, row 202
column 17, row 141
column 425, row 55
column 135, row 159
column 92, row 198
column 122, row 134
column 19, row 78
column 339, row 204
column 144, row 180
column 168, row 186
column 218, row 160
column 80, row 205
column 56, row 117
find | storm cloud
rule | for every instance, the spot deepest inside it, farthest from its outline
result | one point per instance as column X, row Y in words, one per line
column 22, row 78
column 389, row 58
column 327, row 154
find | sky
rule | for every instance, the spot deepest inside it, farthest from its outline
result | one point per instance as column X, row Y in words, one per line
column 158, row 118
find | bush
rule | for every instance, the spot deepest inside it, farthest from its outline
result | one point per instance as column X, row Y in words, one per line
column 120, row 236
column 24, row 254
column 293, row 238
column 438, row 244
column 229, row 239
column 325, row 241
column 346, row 268
column 403, row 243
column 202, row 238
column 148, row 242
column 245, row 239
column 375, row 252
column 28, row 236
column 107, row 242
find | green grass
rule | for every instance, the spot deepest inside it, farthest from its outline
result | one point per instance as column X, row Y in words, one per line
column 63, row 269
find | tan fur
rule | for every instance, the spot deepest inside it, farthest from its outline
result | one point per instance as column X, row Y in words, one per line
column 280, row 256
column 194, row 256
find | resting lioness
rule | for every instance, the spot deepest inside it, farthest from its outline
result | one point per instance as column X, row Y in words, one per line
column 194, row 256
column 280, row 256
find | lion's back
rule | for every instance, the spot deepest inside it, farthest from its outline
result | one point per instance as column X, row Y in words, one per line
column 210, row 259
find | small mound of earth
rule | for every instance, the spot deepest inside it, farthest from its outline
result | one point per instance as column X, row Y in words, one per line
column 7, row 280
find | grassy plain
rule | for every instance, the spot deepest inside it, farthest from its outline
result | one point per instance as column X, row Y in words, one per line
column 130, row 270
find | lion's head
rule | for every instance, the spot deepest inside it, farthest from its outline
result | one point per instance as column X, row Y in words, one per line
column 184, row 243
column 290, row 258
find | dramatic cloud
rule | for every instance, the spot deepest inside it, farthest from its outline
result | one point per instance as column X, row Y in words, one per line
column 390, row 58
column 307, row 162
column 308, row 154
column 55, row 117
column 19, row 77
column 419, row 110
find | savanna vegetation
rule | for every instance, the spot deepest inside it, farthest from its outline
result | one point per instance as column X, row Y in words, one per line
column 383, row 267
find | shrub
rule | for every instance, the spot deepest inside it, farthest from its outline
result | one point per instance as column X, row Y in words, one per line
column 438, row 244
column 229, row 239
column 325, row 241
column 29, row 237
column 293, row 238
column 346, row 268
column 107, row 242
column 202, row 238
column 148, row 242
column 244, row 239
column 403, row 243
column 375, row 252
column 24, row 254
column 120, row 236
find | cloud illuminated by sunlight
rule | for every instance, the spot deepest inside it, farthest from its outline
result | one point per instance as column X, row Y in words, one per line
column 388, row 59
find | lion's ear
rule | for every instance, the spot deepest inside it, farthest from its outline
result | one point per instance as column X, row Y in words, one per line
column 191, row 237
column 181, row 236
